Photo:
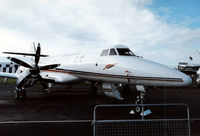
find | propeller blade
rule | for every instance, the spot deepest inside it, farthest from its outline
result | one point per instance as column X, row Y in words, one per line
column 16, row 53
column 49, row 66
column 20, row 62
column 37, row 55
column 24, row 54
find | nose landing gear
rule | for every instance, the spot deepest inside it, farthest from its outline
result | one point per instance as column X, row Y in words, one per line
column 19, row 93
column 140, row 100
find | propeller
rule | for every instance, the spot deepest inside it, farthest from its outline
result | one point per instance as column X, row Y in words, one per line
column 37, row 55
column 34, row 69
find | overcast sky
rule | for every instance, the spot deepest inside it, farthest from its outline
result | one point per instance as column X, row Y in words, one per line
column 166, row 31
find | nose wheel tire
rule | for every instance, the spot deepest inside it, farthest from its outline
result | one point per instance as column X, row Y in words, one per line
column 16, row 94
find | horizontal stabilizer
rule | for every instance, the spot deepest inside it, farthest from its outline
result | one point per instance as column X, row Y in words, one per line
column 24, row 54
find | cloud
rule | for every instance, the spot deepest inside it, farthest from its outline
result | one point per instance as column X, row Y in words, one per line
column 81, row 26
column 12, row 40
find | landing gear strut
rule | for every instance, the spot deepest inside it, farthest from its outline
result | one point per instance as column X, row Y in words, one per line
column 19, row 93
column 93, row 89
column 140, row 98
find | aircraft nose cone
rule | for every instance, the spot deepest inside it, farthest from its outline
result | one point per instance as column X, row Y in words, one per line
column 187, row 80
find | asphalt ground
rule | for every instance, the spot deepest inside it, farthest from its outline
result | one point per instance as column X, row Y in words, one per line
column 69, row 110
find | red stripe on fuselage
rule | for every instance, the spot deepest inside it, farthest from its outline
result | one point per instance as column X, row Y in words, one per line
column 116, row 76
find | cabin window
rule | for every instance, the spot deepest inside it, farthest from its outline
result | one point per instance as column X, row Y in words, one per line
column 4, row 69
column 125, row 52
column 10, row 69
column 16, row 67
column 104, row 52
column 112, row 52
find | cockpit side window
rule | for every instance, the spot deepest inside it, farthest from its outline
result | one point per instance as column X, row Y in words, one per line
column 112, row 52
column 104, row 52
column 125, row 52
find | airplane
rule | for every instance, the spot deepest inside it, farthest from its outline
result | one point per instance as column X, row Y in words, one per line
column 190, row 69
column 116, row 66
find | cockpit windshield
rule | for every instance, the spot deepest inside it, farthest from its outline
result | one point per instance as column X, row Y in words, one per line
column 125, row 52
column 117, row 50
column 104, row 52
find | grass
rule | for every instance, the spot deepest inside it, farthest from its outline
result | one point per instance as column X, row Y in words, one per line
column 8, row 81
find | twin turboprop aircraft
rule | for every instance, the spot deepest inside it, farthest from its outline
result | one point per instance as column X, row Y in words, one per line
column 116, row 66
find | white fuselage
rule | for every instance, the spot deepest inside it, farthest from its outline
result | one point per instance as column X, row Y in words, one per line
column 120, row 69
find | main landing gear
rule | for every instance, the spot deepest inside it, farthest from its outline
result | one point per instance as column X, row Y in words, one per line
column 93, row 89
column 126, row 92
column 19, row 93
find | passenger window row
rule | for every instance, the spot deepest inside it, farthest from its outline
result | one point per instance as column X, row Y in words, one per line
column 8, row 68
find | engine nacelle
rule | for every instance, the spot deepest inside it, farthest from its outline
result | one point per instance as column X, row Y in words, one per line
column 22, row 73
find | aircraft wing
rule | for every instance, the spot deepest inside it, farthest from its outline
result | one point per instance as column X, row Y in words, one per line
column 50, row 80
column 8, row 75
column 58, row 76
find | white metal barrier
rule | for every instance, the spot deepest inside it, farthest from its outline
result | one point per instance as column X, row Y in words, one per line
column 141, row 120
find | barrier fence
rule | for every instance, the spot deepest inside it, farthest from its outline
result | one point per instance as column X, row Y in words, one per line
column 141, row 120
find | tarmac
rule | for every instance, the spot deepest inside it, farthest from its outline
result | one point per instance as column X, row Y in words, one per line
column 69, row 110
